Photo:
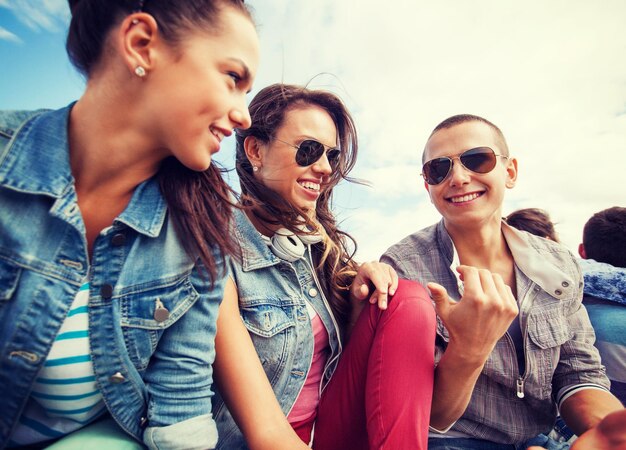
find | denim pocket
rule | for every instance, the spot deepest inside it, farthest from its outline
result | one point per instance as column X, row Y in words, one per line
column 265, row 320
column 145, row 314
column 272, row 331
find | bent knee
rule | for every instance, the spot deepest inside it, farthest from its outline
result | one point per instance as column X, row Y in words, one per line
column 412, row 296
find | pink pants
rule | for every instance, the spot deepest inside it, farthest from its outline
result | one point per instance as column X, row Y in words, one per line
column 381, row 392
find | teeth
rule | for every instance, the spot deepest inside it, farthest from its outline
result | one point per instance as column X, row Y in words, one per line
column 465, row 198
column 217, row 133
column 309, row 185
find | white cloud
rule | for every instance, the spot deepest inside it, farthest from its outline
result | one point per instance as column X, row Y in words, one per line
column 549, row 73
column 6, row 35
column 48, row 15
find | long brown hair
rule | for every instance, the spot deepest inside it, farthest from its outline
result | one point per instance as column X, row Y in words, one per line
column 199, row 202
column 334, row 255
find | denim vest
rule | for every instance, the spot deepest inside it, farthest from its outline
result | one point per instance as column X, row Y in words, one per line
column 272, row 295
column 152, row 370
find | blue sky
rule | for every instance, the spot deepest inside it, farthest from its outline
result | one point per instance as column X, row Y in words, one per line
column 551, row 74
column 35, row 69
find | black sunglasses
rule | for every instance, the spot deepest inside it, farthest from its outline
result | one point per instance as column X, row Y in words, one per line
column 310, row 151
column 478, row 160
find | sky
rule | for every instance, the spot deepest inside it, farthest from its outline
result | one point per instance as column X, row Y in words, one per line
column 551, row 74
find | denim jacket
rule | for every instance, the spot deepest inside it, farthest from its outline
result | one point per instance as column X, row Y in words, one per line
column 604, row 281
column 151, row 372
column 508, row 406
column 272, row 295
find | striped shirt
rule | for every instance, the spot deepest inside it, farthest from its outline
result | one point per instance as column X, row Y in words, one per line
column 65, row 396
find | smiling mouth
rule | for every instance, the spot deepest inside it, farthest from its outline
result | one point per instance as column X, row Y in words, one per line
column 465, row 198
column 217, row 133
column 309, row 185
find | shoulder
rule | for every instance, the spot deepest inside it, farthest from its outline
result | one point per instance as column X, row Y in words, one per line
column 418, row 255
column 11, row 120
column 604, row 281
column 554, row 252
column 10, row 123
column 418, row 243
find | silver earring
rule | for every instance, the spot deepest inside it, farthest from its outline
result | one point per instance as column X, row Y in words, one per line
column 134, row 21
column 140, row 71
column 255, row 168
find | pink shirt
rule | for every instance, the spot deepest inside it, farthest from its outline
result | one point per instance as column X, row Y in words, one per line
column 306, row 403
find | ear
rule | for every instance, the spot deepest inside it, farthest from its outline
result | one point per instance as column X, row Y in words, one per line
column 253, row 149
column 511, row 173
column 427, row 186
column 138, row 38
column 581, row 251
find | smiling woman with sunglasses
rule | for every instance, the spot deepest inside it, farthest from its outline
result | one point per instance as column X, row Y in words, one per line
column 284, row 361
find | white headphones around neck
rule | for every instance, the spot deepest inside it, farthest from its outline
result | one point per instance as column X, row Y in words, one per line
column 289, row 246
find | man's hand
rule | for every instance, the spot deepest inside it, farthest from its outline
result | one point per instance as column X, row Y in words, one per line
column 483, row 315
column 610, row 434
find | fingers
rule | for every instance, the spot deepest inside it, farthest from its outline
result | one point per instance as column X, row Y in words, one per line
column 440, row 296
column 377, row 278
column 487, row 288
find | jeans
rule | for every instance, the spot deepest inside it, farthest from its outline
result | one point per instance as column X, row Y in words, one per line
column 479, row 444
column 381, row 392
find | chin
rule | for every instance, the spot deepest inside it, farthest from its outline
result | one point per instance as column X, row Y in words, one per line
column 198, row 166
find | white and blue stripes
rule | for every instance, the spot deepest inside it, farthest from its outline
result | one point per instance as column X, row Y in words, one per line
column 65, row 396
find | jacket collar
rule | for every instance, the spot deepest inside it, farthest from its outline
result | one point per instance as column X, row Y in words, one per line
column 255, row 253
column 36, row 161
column 531, row 255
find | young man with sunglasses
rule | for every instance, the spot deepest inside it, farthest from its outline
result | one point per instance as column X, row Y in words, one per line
column 513, row 341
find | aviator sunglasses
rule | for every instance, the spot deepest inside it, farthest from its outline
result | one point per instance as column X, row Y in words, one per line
column 477, row 160
column 310, row 151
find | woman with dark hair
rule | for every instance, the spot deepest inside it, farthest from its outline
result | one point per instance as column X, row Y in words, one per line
column 533, row 220
column 112, row 258
column 298, row 344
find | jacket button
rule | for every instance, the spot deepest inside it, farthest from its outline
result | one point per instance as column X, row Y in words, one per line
column 565, row 284
column 117, row 378
column 161, row 314
column 143, row 422
column 118, row 239
column 558, row 292
column 106, row 291
column 313, row 292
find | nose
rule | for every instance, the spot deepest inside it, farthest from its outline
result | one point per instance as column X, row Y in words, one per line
column 322, row 165
column 459, row 175
column 240, row 115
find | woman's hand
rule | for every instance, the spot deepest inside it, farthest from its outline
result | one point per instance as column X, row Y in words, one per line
column 376, row 281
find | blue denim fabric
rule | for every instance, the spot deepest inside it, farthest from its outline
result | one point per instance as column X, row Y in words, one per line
column 479, row 444
column 605, row 300
column 272, row 295
column 160, row 371
column 604, row 281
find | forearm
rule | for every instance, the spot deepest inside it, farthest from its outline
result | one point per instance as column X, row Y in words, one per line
column 586, row 408
column 455, row 378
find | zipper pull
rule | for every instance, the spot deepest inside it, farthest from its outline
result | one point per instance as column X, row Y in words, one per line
column 520, row 387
